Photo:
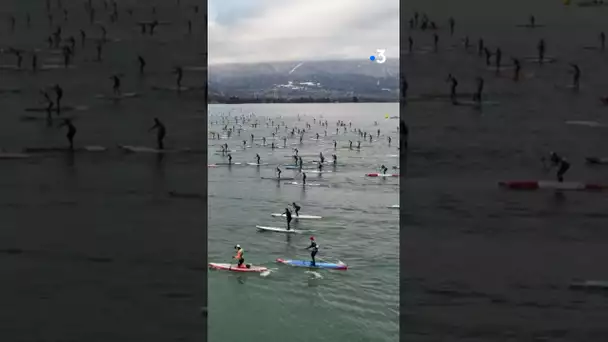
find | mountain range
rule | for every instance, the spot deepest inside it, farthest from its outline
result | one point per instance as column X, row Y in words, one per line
column 308, row 81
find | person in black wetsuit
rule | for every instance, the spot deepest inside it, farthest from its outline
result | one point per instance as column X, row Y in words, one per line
column 180, row 75
column 335, row 159
column 335, row 144
column 71, row 132
column 161, row 132
column 541, row 47
column 517, row 69
column 296, row 208
column 576, row 76
column 115, row 85
column 257, row 157
column 321, row 158
column 477, row 95
column 229, row 159
column 288, row 216
column 454, row 85
column 320, row 167
column 142, row 64
column 279, row 173
column 58, row 97
column 295, row 158
column 384, row 169
column 314, row 248
column 303, row 178
column 561, row 164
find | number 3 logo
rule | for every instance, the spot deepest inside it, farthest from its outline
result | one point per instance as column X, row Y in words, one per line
column 381, row 57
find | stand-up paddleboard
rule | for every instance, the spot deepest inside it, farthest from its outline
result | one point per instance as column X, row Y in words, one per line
column 11, row 155
column 536, row 185
column 227, row 164
column 381, row 175
column 235, row 268
column 227, row 151
column 171, row 88
column 394, row 206
column 10, row 90
column 303, row 217
column 585, row 123
column 317, row 171
column 283, row 230
column 256, row 164
column 597, row 160
column 530, row 26
column 308, row 264
column 64, row 149
column 54, row 109
column 535, row 59
column 46, row 67
column 211, row 165
column 278, row 179
column 117, row 97
column 307, row 184
column 590, row 285
column 291, row 167
column 11, row 67
column 45, row 117
column 141, row 149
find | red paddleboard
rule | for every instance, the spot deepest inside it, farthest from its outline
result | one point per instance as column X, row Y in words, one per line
column 536, row 185
column 381, row 175
column 235, row 268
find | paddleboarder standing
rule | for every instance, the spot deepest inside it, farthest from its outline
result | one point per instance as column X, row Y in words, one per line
column 288, row 216
column 314, row 248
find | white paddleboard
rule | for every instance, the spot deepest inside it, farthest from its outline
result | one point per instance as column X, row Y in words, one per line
column 170, row 88
column 311, row 217
column 117, row 97
column 140, row 149
column 254, row 164
column 9, row 155
column 282, row 230
column 307, row 184
column 394, row 206
column 317, row 171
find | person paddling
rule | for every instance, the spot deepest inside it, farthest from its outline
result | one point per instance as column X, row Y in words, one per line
column 562, row 165
column 71, row 132
column 160, row 133
column 288, row 216
column 296, row 208
column 314, row 248
column 240, row 256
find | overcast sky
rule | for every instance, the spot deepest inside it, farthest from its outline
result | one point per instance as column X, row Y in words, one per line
column 247, row 31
